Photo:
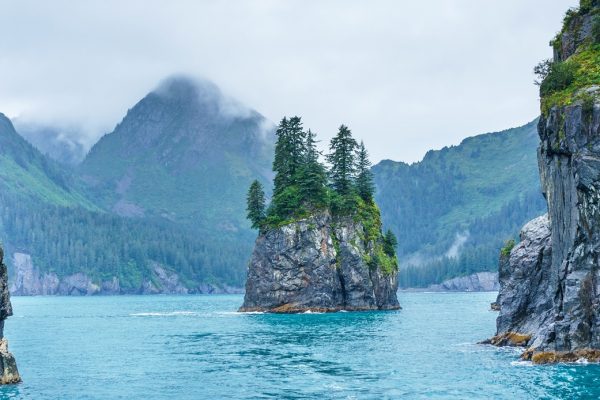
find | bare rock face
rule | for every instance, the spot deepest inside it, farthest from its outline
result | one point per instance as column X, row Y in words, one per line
column 478, row 282
column 550, row 284
column 317, row 264
column 525, row 297
column 8, row 366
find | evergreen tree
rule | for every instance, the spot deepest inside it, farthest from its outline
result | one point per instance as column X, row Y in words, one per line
column 342, row 160
column 256, row 204
column 289, row 153
column 389, row 243
column 297, row 148
column 312, row 176
column 281, row 159
column 364, row 177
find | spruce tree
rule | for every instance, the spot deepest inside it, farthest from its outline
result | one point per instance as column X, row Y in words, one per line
column 389, row 243
column 312, row 176
column 256, row 204
column 297, row 148
column 364, row 177
column 281, row 159
column 342, row 160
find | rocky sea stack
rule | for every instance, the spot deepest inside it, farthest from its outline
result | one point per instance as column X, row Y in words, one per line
column 550, row 282
column 318, row 264
column 320, row 245
column 8, row 365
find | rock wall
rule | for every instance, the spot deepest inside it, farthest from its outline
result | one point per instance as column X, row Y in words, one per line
column 8, row 366
column 27, row 280
column 550, row 286
column 317, row 264
column 479, row 282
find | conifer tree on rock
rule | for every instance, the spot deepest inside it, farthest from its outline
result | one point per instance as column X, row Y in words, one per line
column 364, row 177
column 256, row 204
column 342, row 160
column 312, row 176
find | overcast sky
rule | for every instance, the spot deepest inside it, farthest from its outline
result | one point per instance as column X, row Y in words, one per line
column 406, row 76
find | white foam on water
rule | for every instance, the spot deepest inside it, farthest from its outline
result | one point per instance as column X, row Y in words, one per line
column 162, row 314
column 239, row 312
column 521, row 364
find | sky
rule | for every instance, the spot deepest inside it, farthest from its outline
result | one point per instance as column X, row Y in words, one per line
column 405, row 76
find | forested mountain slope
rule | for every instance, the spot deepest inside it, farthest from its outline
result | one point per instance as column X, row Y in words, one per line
column 185, row 152
column 157, row 206
column 453, row 210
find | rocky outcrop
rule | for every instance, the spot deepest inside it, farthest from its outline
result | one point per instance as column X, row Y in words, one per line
column 317, row 264
column 550, row 284
column 525, row 297
column 27, row 280
column 479, row 282
column 8, row 365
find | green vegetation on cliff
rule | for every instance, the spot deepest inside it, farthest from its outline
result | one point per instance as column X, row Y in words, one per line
column 576, row 63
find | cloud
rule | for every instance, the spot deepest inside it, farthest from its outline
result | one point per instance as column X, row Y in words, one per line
column 406, row 76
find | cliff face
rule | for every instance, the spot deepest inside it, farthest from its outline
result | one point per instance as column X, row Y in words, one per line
column 478, row 282
column 27, row 280
column 550, row 289
column 318, row 264
column 8, row 365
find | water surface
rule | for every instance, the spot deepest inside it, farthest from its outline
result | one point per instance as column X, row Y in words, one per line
column 198, row 347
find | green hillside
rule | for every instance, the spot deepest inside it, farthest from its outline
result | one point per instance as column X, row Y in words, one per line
column 24, row 171
column 184, row 152
column 166, row 188
column 453, row 210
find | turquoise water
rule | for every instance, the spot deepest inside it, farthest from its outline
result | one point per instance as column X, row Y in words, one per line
column 198, row 347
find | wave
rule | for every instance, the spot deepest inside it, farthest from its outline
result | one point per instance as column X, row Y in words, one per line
column 162, row 314
column 521, row 363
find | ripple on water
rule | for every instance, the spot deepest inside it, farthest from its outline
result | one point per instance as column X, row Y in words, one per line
column 189, row 347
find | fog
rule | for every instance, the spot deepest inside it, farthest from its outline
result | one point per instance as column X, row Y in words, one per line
column 406, row 76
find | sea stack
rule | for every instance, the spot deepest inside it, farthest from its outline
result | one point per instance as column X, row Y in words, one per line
column 8, row 365
column 320, row 246
column 550, row 282
column 318, row 264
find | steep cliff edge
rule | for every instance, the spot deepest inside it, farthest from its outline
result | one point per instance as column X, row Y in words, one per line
column 8, row 365
column 550, row 294
column 318, row 264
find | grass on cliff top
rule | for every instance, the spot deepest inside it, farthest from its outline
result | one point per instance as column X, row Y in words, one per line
column 584, row 68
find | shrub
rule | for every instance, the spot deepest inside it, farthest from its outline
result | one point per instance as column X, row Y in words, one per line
column 508, row 246
column 558, row 76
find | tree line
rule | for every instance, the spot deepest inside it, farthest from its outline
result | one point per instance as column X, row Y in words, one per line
column 304, row 185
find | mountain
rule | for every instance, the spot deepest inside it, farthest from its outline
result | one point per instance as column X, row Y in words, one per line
column 186, row 153
column 158, row 206
column 61, row 145
column 453, row 210
column 26, row 172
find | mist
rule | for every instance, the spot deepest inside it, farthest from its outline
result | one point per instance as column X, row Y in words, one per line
column 406, row 77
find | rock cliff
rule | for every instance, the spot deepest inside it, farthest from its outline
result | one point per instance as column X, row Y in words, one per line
column 550, row 294
column 27, row 280
column 321, row 264
column 8, row 365
column 478, row 282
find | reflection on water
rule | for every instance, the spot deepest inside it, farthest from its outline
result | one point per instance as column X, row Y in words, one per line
column 192, row 347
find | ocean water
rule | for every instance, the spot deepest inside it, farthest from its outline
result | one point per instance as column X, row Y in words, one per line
column 198, row 347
